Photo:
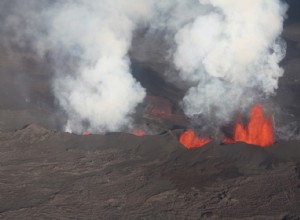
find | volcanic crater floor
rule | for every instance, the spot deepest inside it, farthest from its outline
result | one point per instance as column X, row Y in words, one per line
column 54, row 175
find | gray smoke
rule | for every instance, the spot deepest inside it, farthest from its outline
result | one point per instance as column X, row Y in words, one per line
column 225, row 50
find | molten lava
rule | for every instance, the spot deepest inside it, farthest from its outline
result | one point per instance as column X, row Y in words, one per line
column 258, row 132
column 190, row 140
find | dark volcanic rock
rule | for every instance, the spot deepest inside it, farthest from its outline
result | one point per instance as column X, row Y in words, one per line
column 52, row 175
column 48, row 175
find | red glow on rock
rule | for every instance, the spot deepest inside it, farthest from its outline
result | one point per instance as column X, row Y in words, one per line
column 189, row 139
column 159, row 106
column 258, row 132
column 139, row 132
column 86, row 133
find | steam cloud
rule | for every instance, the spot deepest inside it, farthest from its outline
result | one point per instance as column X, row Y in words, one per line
column 229, row 52
column 102, row 93
column 226, row 50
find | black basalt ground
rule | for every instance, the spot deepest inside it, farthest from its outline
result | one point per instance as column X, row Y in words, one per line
column 48, row 174
column 53, row 175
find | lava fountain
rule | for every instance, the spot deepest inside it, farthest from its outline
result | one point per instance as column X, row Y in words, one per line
column 189, row 139
column 258, row 132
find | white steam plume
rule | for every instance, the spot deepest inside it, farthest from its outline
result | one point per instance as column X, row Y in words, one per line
column 101, row 94
column 229, row 53
column 88, row 42
column 228, row 50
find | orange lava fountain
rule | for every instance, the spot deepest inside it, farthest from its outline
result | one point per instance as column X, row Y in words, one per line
column 258, row 132
column 189, row 139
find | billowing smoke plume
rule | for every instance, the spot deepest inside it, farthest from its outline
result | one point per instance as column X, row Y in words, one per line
column 227, row 51
column 230, row 53
column 101, row 94
column 88, row 42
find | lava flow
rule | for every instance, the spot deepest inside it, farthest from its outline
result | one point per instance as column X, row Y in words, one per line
column 258, row 132
column 190, row 140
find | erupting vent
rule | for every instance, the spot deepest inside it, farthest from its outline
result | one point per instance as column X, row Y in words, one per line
column 258, row 132
column 190, row 140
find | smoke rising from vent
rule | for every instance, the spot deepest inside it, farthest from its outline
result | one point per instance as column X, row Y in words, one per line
column 228, row 51
column 88, row 42
column 102, row 93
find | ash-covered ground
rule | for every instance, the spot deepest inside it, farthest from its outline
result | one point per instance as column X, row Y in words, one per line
column 49, row 174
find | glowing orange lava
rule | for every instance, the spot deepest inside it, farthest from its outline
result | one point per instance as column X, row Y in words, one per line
column 258, row 132
column 190, row 140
